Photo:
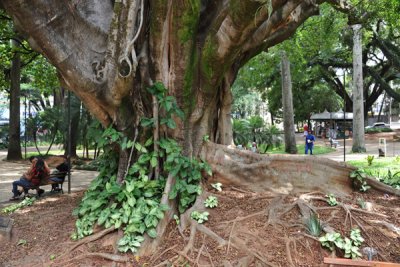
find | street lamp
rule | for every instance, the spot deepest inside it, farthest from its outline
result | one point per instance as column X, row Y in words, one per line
column 25, row 137
column 344, row 116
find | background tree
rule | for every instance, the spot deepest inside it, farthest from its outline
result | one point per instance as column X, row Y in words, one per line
column 287, row 100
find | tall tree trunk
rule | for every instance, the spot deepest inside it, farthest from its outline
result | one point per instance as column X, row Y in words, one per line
column 75, row 110
column 287, row 103
column 358, row 99
column 14, row 146
column 75, row 118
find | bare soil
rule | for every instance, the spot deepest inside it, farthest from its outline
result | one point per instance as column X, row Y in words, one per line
column 257, row 229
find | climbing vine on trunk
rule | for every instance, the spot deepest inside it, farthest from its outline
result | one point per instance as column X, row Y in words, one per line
column 134, row 206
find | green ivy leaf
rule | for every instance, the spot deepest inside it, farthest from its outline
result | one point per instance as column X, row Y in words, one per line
column 152, row 232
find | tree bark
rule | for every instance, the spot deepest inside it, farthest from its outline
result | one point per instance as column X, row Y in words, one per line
column 14, row 145
column 358, row 98
column 287, row 103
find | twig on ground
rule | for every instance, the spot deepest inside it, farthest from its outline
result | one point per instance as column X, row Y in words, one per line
column 229, row 239
column 162, row 253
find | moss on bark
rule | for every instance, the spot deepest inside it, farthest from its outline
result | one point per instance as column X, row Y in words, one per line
column 190, row 20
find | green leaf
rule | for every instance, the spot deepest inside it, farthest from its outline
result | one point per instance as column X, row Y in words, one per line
column 131, row 201
column 140, row 148
column 171, row 124
column 130, row 186
column 118, row 223
column 154, row 161
column 152, row 232
column 146, row 122
column 148, row 142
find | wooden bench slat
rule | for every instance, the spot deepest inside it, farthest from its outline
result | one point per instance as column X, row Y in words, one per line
column 361, row 263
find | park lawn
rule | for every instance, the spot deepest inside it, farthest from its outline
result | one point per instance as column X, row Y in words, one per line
column 56, row 152
column 385, row 169
column 318, row 150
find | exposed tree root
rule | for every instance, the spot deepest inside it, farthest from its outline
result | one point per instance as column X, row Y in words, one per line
column 152, row 261
column 288, row 253
column 389, row 226
column 110, row 257
column 91, row 238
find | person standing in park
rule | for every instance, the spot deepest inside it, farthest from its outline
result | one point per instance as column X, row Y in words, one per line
column 254, row 147
column 310, row 139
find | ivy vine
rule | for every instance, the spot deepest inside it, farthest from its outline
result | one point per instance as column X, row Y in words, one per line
column 134, row 206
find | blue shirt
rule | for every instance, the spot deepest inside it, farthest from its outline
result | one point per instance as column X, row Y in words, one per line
column 310, row 139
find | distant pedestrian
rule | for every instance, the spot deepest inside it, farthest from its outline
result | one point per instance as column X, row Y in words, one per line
column 254, row 147
column 310, row 139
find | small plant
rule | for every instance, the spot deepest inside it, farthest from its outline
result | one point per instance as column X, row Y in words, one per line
column 392, row 179
column 330, row 240
column 358, row 177
column 361, row 203
column 370, row 158
column 206, row 138
column 211, row 202
column 355, row 236
column 331, row 200
column 176, row 217
column 26, row 202
column 200, row 217
column 350, row 249
column 217, row 186
column 314, row 225
column 52, row 257
column 21, row 242
column 350, row 246
column 130, row 242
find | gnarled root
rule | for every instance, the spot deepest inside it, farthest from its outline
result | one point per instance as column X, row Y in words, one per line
column 110, row 257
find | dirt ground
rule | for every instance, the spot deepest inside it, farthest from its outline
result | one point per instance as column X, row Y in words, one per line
column 258, row 229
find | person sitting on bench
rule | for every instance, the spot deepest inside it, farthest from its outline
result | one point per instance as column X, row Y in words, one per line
column 38, row 171
column 59, row 175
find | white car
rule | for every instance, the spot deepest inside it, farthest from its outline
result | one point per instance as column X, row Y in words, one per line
column 378, row 125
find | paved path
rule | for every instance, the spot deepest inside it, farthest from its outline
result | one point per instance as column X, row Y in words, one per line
column 371, row 145
column 80, row 179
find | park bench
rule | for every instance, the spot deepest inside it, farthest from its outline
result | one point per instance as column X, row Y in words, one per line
column 47, row 181
column 358, row 263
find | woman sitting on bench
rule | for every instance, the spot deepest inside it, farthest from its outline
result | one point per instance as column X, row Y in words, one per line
column 38, row 171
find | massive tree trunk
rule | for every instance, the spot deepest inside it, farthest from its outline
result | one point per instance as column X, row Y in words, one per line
column 287, row 103
column 14, row 145
column 109, row 52
column 358, row 98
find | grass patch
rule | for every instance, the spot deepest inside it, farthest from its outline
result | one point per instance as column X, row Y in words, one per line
column 386, row 170
column 55, row 152
column 318, row 150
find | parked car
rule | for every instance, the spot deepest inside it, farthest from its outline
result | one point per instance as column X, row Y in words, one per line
column 378, row 125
